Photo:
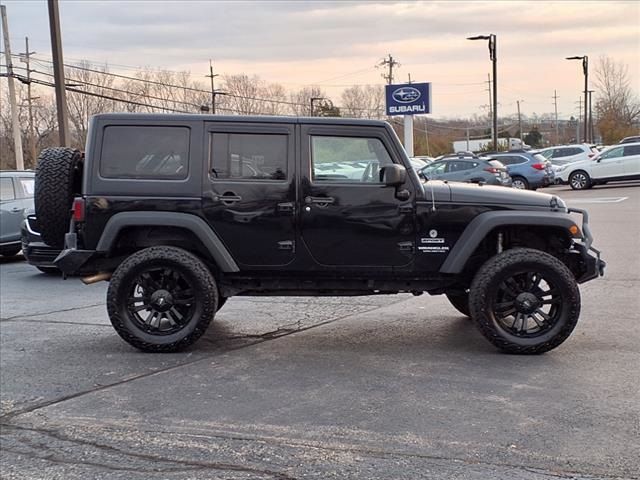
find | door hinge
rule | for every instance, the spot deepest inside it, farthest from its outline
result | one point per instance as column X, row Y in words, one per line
column 286, row 207
column 287, row 245
column 406, row 246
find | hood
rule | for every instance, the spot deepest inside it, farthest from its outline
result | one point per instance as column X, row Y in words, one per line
column 483, row 194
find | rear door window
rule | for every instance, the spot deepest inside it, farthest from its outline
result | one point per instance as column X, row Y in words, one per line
column 459, row 166
column 153, row 152
column 248, row 156
column 28, row 186
column 6, row 189
column 632, row 150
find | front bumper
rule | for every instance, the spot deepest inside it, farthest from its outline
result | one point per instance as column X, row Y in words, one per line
column 592, row 265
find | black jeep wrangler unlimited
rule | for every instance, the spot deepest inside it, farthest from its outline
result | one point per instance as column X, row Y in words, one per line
column 181, row 212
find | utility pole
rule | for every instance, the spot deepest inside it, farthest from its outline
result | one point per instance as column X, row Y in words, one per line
column 389, row 62
column 58, row 72
column 17, row 135
column 555, row 103
column 590, row 118
column 578, row 120
column 213, row 90
column 495, row 147
column 519, row 120
column 32, row 137
column 426, row 134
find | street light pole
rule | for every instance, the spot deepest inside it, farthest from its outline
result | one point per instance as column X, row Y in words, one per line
column 314, row 99
column 493, row 56
column 585, row 70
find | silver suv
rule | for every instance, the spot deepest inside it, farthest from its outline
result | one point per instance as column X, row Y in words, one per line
column 16, row 196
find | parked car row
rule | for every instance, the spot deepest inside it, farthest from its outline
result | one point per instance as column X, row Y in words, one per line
column 18, row 224
column 518, row 168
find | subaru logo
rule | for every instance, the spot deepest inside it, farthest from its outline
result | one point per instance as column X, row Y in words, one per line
column 406, row 95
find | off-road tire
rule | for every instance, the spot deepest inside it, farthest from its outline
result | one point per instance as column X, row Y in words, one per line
column 490, row 278
column 200, row 280
column 580, row 180
column 522, row 180
column 460, row 301
column 58, row 180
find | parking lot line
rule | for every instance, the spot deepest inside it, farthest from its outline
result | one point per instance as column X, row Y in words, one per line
column 598, row 200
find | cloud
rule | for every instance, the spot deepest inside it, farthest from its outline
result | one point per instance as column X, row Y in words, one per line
column 304, row 42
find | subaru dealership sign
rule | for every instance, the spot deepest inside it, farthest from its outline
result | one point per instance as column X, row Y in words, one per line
column 408, row 99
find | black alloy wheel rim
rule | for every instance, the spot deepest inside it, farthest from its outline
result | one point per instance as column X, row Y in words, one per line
column 527, row 305
column 161, row 301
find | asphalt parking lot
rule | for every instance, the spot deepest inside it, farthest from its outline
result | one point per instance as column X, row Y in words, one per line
column 388, row 387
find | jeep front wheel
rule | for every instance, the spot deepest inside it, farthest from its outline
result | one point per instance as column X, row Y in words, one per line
column 162, row 299
column 525, row 301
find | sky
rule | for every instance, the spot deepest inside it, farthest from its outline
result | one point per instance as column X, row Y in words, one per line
column 337, row 44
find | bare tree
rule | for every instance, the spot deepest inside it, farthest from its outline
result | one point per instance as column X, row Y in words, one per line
column 82, row 106
column 617, row 107
column 300, row 101
column 243, row 94
column 363, row 101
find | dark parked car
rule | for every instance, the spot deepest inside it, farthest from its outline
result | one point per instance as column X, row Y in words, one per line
column 468, row 169
column 633, row 139
column 16, row 196
column 35, row 251
column 166, row 208
column 528, row 170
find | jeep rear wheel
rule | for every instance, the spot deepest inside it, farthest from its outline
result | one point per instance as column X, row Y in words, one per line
column 580, row 180
column 460, row 301
column 58, row 180
column 162, row 299
column 525, row 301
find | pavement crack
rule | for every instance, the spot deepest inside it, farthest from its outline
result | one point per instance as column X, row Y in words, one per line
column 39, row 314
column 180, row 465
column 61, row 322
column 275, row 334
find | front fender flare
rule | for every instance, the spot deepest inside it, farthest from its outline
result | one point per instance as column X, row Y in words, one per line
column 484, row 223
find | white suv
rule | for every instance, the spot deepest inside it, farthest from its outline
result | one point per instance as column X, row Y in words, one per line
column 617, row 163
column 563, row 154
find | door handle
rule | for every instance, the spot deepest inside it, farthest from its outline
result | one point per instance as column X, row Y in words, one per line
column 16, row 210
column 227, row 198
column 320, row 201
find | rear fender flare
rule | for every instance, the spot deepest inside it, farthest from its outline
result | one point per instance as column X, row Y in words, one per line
column 189, row 222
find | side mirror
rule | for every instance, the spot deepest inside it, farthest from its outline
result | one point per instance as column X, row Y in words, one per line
column 393, row 175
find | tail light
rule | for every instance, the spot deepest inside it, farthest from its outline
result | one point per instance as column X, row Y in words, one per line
column 78, row 209
column 539, row 166
column 492, row 170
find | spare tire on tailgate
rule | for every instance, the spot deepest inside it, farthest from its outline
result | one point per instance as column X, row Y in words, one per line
column 58, row 180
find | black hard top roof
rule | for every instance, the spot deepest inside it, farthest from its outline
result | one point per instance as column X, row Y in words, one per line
column 182, row 117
